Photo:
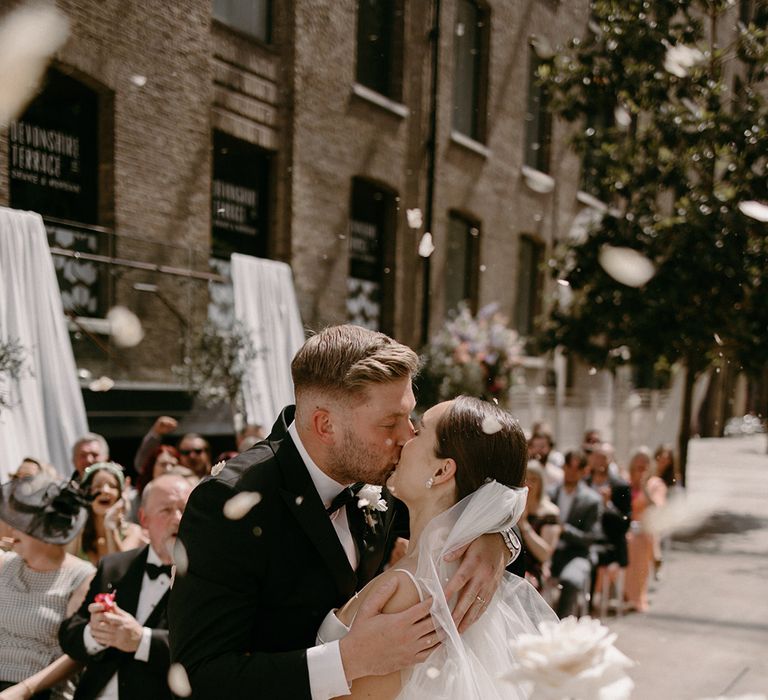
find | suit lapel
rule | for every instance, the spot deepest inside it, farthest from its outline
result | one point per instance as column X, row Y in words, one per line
column 129, row 587
column 303, row 501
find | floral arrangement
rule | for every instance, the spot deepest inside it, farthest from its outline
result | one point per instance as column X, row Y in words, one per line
column 573, row 658
column 370, row 501
column 473, row 355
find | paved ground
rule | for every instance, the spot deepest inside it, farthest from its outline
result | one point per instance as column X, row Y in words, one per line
column 707, row 631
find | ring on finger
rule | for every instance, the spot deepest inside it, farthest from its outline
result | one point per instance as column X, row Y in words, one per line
column 480, row 600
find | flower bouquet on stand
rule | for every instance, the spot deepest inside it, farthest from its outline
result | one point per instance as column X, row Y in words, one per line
column 472, row 355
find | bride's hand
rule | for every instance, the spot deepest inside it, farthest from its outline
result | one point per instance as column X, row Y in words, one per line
column 482, row 565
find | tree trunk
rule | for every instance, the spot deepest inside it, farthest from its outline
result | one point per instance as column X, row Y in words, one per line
column 684, row 434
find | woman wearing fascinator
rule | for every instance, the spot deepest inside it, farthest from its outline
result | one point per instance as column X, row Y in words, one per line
column 40, row 583
column 461, row 476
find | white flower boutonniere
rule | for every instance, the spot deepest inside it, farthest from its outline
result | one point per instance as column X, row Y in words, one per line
column 370, row 500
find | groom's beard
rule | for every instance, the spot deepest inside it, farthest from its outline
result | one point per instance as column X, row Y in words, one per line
column 356, row 461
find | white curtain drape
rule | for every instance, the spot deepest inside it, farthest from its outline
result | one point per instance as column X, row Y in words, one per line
column 48, row 414
column 265, row 303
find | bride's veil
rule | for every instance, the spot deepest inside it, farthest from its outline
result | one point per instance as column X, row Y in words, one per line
column 472, row 665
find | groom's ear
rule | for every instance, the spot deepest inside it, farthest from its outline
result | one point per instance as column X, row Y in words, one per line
column 445, row 472
column 322, row 425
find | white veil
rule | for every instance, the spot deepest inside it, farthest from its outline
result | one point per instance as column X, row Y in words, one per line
column 473, row 665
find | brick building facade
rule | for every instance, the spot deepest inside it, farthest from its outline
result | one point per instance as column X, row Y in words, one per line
column 300, row 131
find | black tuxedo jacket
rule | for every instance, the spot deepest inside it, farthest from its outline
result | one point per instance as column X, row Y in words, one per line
column 123, row 573
column 257, row 588
column 615, row 521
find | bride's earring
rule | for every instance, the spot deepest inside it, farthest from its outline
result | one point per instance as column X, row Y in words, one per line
column 429, row 482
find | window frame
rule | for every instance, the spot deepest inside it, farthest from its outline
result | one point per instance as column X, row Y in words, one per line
column 393, row 89
column 266, row 40
column 540, row 121
column 534, row 285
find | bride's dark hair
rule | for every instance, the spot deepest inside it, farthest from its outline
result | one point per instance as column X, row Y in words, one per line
column 485, row 441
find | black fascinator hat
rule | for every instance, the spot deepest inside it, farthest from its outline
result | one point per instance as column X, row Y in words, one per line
column 41, row 507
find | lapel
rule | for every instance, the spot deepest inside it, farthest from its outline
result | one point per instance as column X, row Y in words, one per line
column 129, row 586
column 156, row 619
column 310, row 513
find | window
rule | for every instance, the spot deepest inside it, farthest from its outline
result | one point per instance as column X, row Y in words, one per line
column 470, row 80
column 462, row 262
column 370, row 294
column 380, row 46
column 252, row 17
column 538, row 130
column 240, row 198
column 528, row 284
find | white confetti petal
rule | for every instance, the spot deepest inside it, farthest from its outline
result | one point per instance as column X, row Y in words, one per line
column 622, row 116
column 180, row 558
column 755, row 210
column 238, row 506
column 217, row 468
column 426, row 247
column 101, row 384
column 415, row 219
column 678, row 515
column 139, row 80
column 29, row 36
column 125, row 327
column 626, row 265
column 178, row 681
column 299, row 500
column 433, row 672
column 680, row 59
column 491, row 425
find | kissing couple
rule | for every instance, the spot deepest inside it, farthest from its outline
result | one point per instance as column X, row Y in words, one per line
column 284, row 595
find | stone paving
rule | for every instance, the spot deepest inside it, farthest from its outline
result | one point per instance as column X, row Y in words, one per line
column 706, row 633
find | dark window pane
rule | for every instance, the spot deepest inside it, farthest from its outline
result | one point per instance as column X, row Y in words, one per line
column 248, row 16
column 377, row 23
column 538, row 130
column 528, row 276
column 466, row 76
column 462, row 261
column 369, row 298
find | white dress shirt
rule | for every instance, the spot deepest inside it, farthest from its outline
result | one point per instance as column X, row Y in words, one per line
column 152, row 592
column 326, row 672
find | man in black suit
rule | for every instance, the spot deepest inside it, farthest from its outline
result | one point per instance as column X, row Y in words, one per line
column 580, row 509
column 617, row 507
column 273, row 544
column 125, row 649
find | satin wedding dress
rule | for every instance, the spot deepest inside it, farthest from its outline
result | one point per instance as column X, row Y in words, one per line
column 477, row 664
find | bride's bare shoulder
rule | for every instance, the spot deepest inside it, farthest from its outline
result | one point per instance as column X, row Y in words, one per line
column 405, row 595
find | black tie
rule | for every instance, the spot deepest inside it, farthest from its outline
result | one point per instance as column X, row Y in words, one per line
column 347, row 495
column 153, row 570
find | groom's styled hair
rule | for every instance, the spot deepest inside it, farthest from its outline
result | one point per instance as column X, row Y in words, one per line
column 486, row 443
column 344, row 360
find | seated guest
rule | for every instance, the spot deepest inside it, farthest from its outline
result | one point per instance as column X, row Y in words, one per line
column 580, row 509
column 40, row 584
column 124, row 645
column 106, row 531
column 647, row 491
column 540, row 446
column 539, row 527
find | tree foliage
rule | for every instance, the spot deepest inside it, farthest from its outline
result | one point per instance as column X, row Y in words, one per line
column 668, row 104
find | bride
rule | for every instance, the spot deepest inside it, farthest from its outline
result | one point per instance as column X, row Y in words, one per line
column 455, row 477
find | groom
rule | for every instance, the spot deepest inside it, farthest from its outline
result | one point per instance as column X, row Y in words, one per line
column 275, row 541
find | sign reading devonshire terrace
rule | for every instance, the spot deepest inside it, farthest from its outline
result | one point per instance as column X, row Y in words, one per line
column 53, row 152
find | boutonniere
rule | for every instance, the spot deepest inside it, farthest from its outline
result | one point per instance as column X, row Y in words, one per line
column 370, row 501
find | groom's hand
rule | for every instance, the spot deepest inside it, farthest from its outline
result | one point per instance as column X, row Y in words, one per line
column 379, row 643
column 482, row 565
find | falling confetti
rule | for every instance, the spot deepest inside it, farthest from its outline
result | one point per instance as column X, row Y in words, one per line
column 592, row 371
column 29, row 36
column 217, row 468
column 626, row 265
column 101, row 384
column 125, row 327
column 718, row 339
column 754, row 210
column 299, row 500
column 538, row 181
column 564, row 283
column 415, row 219
column 622, row 116
column 491, row 425
column 178, row 681
column 433, row 672
column 139, row 80
column 678, row 515
column 238, row 506
column 542, row 47
column 680, row 59
column 426, row 247
column 180, row 558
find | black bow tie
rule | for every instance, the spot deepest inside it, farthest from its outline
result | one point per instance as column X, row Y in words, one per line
column 153, row 570
column 346, row 496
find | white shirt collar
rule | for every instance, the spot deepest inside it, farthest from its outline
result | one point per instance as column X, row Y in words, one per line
column 153, row 557
column 326, row 487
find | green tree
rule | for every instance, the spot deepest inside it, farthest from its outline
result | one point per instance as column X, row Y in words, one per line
column 672, row 124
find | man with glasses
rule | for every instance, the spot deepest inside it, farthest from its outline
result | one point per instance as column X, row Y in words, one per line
column 195, row 454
